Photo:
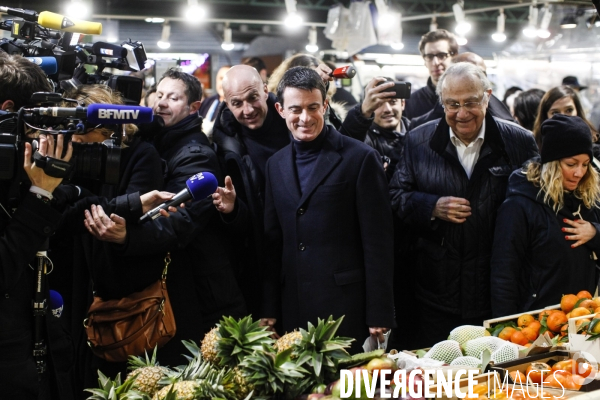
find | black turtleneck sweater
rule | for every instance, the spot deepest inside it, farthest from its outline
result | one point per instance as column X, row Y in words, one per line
column 305, row 155
column 265, row 141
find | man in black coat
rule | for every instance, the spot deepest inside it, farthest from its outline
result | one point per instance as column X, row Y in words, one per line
column 495, row 107
column 247, row 131
column 448, row 185
column 27, row 220
column 328, row 223
column 201, row 282
column 437, row 48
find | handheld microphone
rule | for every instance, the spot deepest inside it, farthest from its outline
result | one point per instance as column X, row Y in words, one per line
column 56, row 303
column 347, row 72
column 27, row 15
column 47, row 64
column 52, row 20
column 198, row 187
column 101, row 113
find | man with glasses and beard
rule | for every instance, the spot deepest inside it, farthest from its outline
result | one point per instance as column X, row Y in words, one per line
column 437, row 48
column 450, row 180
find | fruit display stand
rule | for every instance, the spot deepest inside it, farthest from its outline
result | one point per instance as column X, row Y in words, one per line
column 579, row 342
column 479, row 379
column 491, row 322
column 549, row 358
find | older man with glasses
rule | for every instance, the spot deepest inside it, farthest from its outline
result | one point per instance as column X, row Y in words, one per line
column 447, row 187
column 437, row 48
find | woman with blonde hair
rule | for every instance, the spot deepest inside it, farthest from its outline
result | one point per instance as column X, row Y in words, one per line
column 546, row 237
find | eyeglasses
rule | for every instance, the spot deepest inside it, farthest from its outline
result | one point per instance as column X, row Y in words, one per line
column 439, row 56
column 468, row 106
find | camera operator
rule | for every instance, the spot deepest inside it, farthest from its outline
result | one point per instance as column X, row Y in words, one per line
column 26, row 223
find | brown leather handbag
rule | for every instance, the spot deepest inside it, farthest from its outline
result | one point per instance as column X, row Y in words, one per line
column 132, row 325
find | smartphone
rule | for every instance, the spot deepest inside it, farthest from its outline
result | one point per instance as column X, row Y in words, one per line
column 402, row 89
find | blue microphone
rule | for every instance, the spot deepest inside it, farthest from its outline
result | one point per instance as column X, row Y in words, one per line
column 101, row 113
column 47, row 64
column 56, row 303
column 198, row 187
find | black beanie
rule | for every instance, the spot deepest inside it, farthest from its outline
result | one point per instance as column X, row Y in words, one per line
column 564, row 136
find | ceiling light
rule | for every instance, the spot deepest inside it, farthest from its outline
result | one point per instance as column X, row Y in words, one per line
column 531, row 30
column 293, row 20
column 499, row 35
column 543, row 32
column 194, row 12
column 569, row 22
column 397, row 46
column 312, row 46
column 462, row 26
column 461, row 40
column 227, row 44
column 78, row 9
column 155, row 20
column 433, row 24
column 164, row 43
column 593, row 21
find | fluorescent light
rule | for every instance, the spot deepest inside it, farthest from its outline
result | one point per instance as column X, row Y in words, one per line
column 155, row 20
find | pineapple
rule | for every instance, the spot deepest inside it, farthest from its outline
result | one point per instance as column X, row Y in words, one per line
column 114, row 390
column 287, row 341
column 320, row 350
column 146, row 373
column 209, row 346
column 240, row 338
column 272, row 373
column 242, row 387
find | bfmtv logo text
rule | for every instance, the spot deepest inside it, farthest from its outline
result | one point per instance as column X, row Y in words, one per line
column 118, row 114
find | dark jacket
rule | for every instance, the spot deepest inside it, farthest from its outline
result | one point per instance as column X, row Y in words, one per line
column 200, row 280
column 421, row 101
column 30, row 226
column 330, row 248
column 495, row 107
column 454, row 259
column 532, row 263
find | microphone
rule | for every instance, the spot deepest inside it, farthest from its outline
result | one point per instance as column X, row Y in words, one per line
column 52, row 20
column 56, row 303
column 347, row 72
column 198, row 187
column 101, row 113
column 47, row 64
column 27, row 15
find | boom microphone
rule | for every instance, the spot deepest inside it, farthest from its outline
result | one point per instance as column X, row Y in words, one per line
column 52, row 20
column 56, row 303
column 100, row 113
column 47, row 64
column 27, row 15
column 198, row 187
column 347, row 72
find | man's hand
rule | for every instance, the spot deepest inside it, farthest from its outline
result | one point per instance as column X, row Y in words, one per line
column 323, row 70
column 375, row 96
column 581, row 231
column 154, row 199
column 36, row 175
column 103, row 228
column 452, row 209
column 224, row 197
column 270, row 322
column 379, row 333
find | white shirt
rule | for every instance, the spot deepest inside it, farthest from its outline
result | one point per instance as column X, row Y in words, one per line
column 468, row 154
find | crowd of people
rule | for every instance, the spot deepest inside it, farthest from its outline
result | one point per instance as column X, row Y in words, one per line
column 440, row 210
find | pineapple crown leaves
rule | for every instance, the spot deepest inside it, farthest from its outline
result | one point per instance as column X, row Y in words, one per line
column 114, row 390
column 271, row 373
column 216, row 385
column 136, row 362
column 239, row 339
column 193, row 348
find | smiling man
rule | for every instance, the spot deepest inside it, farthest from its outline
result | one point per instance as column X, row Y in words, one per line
column 447, row 187
column 328, row 224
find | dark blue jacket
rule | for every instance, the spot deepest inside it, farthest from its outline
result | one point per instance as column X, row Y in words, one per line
column 533, row 264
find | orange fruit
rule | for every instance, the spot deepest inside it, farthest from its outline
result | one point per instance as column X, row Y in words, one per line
column 519, row 338
column 597, row 301
column 567, row 302
column 506, row 333
column 524, row 320
column 518, row 377
column 589, row 304
column 544, row 313
column 530, row 333
column 579, row 311
column 564, row 330
column 535, row 325
column 556, row 320
column 584, row 294
column 597, row 310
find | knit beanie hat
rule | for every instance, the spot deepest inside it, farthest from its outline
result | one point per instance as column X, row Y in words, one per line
column 564, row 136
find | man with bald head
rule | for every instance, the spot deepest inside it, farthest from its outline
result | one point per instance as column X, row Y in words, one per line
column 495, row 107
column 247, row 132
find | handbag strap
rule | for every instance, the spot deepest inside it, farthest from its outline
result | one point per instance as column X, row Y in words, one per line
column 166, row 268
